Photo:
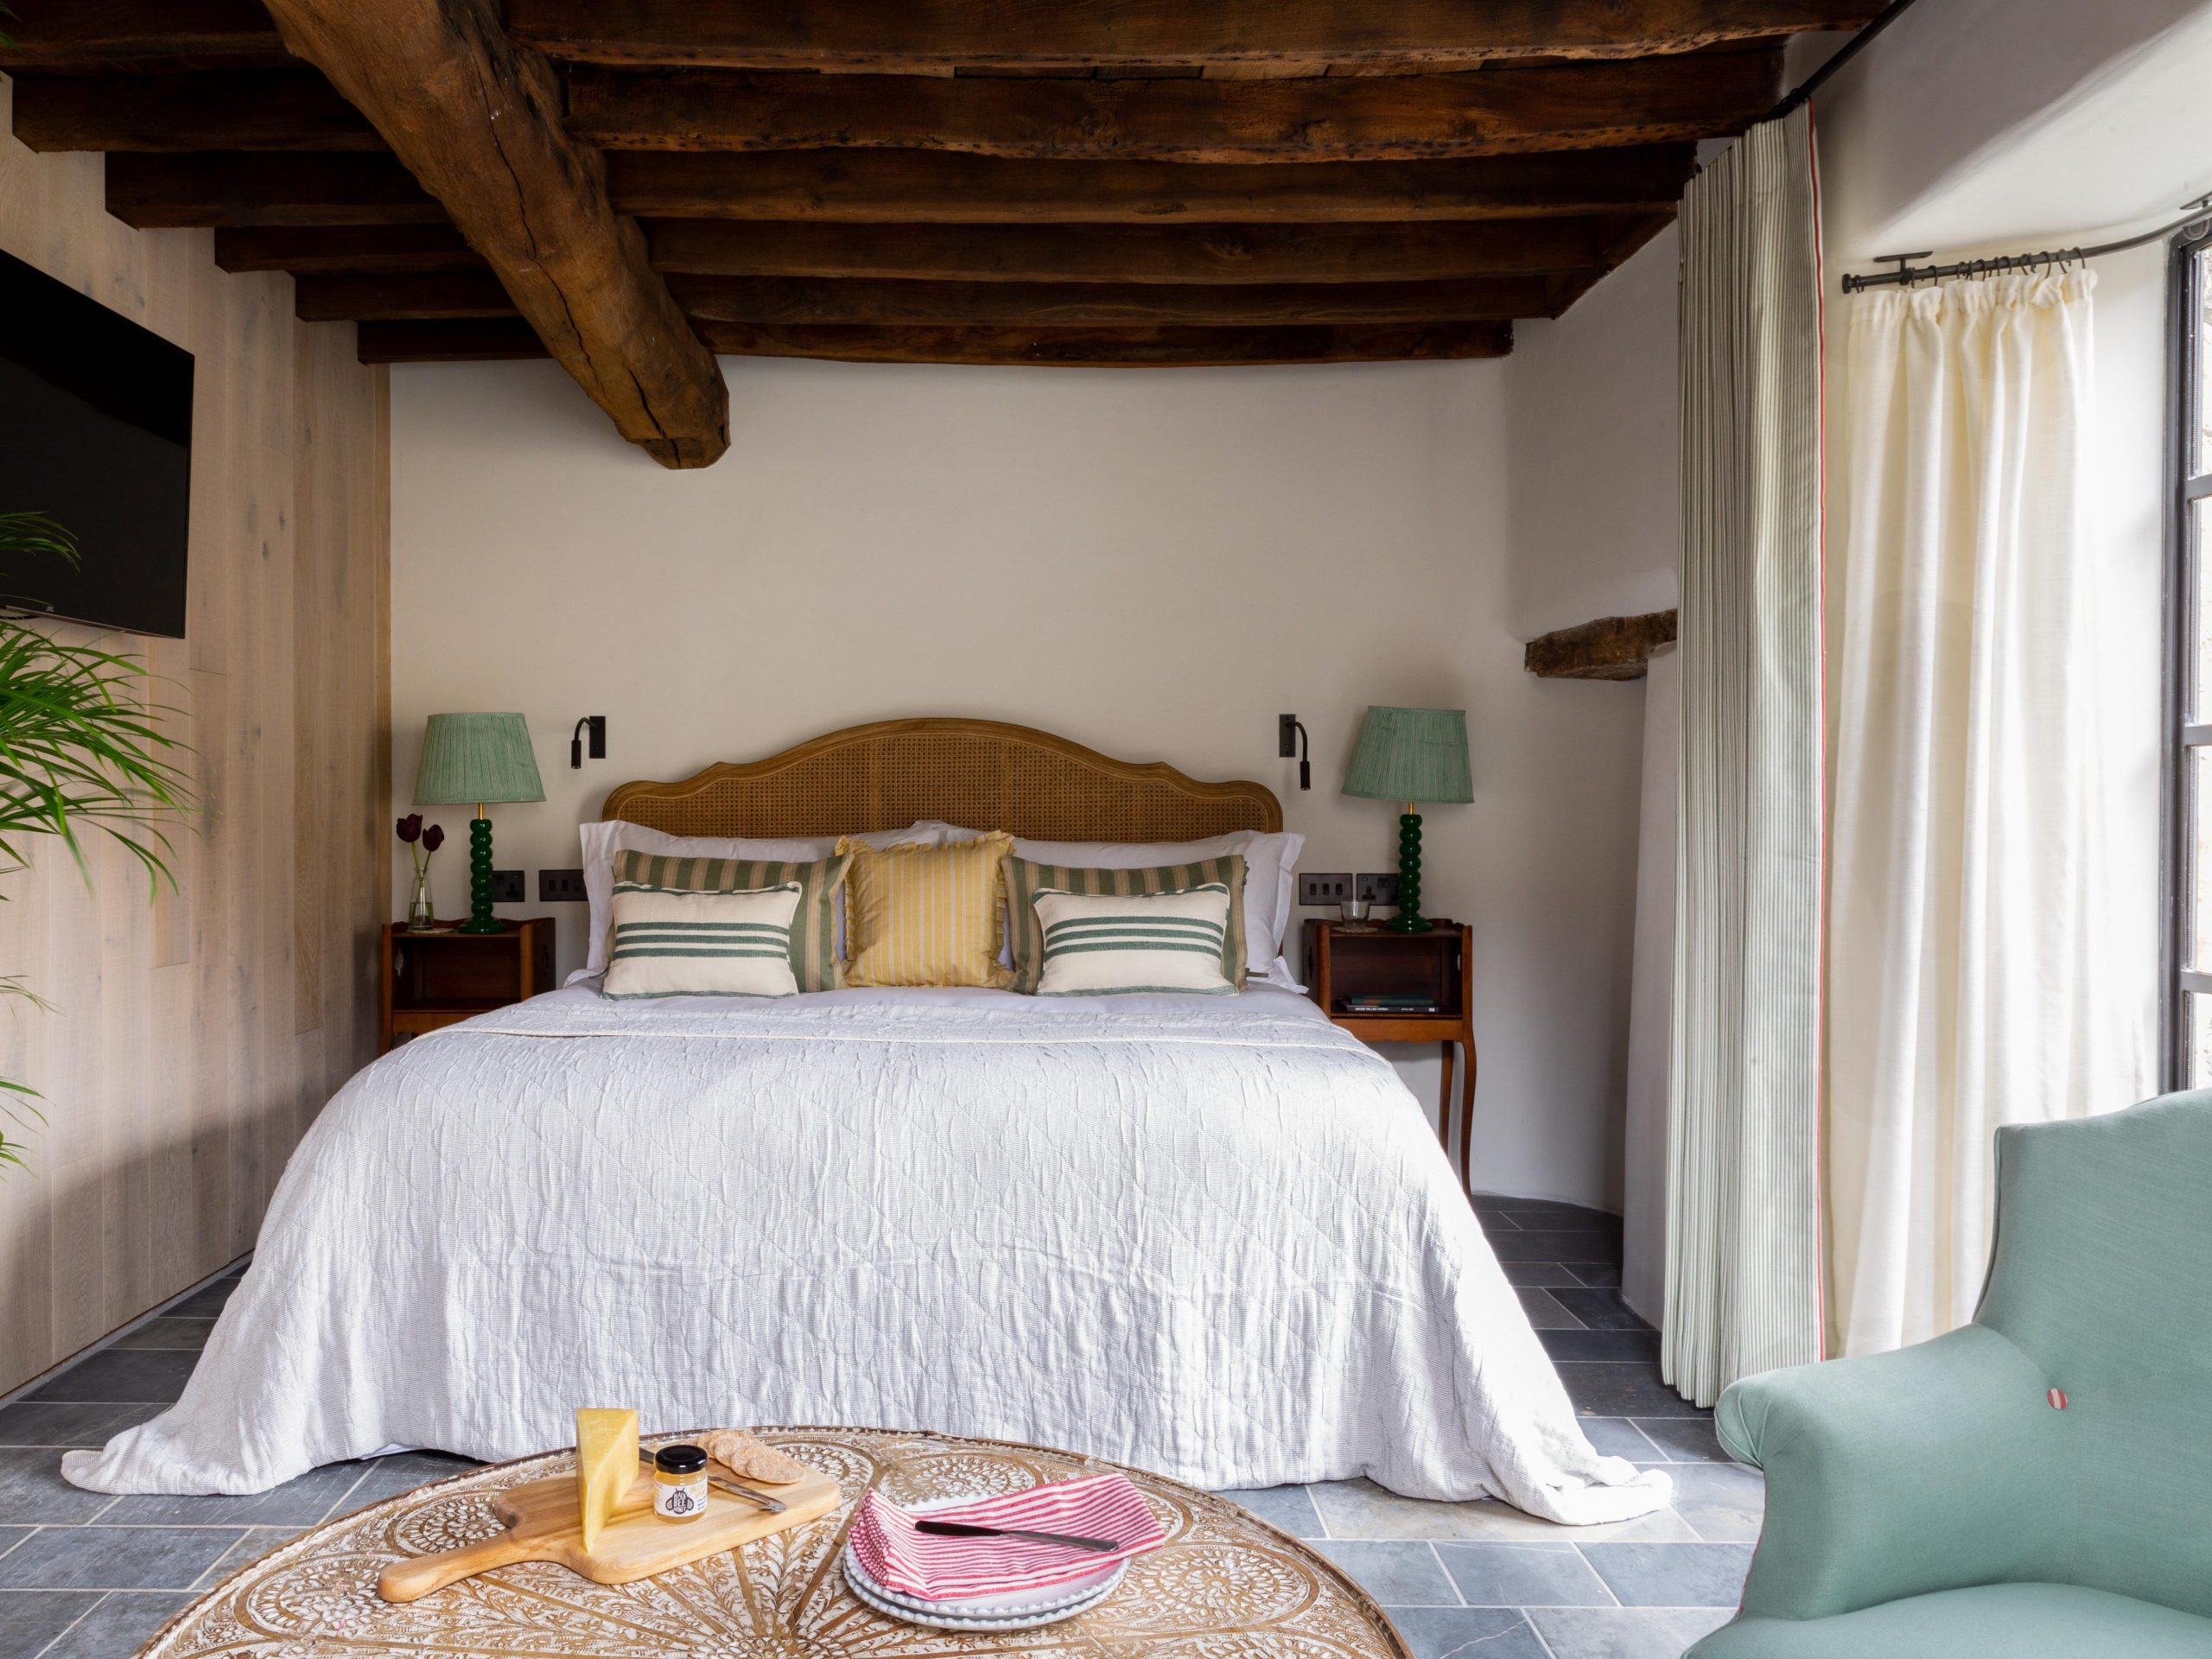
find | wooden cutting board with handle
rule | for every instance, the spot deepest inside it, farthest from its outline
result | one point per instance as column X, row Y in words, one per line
column 545, row 1524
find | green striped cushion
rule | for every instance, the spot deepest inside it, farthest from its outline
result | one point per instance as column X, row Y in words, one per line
column 1023, row 880
column 1098, row 944
column 814, row 928
column 678, row 942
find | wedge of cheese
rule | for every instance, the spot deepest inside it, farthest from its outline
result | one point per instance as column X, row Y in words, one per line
column 606, row 1466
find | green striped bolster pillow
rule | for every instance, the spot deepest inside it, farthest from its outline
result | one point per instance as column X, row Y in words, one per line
column 1097, row 944
column 671, row 942
column 1023, row 880
column 814, row 926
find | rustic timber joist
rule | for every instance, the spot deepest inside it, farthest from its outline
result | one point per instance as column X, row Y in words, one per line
column 1439, row 251
column 1610, row 648
column 1277, row 36
column 1333, row 118
column 945, row 187
column 478, row 122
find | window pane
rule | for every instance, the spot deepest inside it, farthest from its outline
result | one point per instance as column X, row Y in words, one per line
column 2200, row 458
column 2199, row 1042
column 2196, row 544
column 2198, row 950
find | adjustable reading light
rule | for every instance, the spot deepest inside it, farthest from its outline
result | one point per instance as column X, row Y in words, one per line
column 596, row 725
column 1292, row 739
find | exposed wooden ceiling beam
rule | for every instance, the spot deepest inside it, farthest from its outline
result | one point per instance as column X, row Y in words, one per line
column 1141, row 253
column 445, row 340
column 769, row 301
column 782, row 300
column 486, row 341
column 1394, row 117
column 351, row 297
column 122, row 34
column 1276, row 36
column 315, row 249
column 1167, row 347
column 1611, row 648
column 915, row 185
column 478, row 121
column 236, row 187
column 267, row 109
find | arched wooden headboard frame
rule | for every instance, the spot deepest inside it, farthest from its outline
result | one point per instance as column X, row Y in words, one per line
column 981, row 773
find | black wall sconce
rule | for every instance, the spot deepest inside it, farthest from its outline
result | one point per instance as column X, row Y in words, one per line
column 596, row 725
column 1290, row 741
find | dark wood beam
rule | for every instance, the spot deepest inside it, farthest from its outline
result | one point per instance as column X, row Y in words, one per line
column 478, row 121
column 492, row 341
column 235, row 187
column 1256, row 36
column 1139, row 253
column 1165, row 347
column 777, row 300
column 915, row 185
column 1376, row 117
column 272, row 109
column 122, row 34
column 353, row 298
column 317, row 249
column 1611, row 648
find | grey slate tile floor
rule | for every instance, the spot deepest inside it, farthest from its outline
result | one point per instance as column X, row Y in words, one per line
column 85, row 1576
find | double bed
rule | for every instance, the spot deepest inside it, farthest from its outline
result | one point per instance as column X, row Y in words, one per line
column 1213, row 1236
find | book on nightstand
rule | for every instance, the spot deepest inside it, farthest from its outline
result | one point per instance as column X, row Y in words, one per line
column 1373, row 1004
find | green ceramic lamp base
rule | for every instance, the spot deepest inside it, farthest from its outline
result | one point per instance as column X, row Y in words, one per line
column 1408, row 919
column 480, row 919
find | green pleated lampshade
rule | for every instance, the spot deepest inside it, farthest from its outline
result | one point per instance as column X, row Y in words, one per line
column 1411, row 754
column 469, row 760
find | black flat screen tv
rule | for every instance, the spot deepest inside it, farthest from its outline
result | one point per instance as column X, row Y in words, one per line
column 95, row 433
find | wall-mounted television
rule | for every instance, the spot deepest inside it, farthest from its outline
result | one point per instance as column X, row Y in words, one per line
column 96, row 433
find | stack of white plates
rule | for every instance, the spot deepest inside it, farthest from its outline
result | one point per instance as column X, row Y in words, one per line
column 1010, row 1610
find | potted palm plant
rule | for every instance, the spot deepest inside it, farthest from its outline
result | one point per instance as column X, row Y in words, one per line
column 81, row 749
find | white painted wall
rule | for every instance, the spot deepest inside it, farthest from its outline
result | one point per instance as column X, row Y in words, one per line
column 1152, row 563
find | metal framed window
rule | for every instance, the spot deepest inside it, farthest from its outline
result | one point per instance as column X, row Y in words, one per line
column 2188, row 1035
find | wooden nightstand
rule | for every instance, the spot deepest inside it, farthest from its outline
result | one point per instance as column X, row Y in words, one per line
column 441, row 979
column 1432, row 966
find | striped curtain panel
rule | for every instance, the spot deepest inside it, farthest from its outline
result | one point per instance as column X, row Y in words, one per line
column 1743, row 1177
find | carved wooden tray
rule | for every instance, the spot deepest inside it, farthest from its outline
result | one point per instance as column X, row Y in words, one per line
column 1225, row 1584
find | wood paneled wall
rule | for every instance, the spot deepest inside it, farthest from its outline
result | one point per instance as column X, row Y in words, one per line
column 194, row 1036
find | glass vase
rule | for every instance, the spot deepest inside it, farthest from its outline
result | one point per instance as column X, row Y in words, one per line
column 420, row 919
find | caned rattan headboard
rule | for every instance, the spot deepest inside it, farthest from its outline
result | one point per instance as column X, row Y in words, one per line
column 981, row 773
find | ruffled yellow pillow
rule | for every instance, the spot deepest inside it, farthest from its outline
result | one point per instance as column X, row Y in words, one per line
column 918, row 915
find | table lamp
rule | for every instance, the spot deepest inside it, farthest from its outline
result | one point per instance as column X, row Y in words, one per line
column 476, row 759
column 1411, row 755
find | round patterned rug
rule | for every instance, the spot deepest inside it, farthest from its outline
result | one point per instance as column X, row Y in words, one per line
column 1225, row 1585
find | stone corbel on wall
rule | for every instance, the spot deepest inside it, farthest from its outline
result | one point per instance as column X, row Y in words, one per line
column 1611, row 648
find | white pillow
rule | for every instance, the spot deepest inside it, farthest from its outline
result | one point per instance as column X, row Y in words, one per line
column 602, row 840
column 669, row 943
column 1271, row 881
column 1098, row 944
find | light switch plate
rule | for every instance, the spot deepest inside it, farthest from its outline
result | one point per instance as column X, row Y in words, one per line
column 561, row 887
column 1327, row 887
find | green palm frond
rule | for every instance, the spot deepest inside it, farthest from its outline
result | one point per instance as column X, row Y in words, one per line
column 81, row 747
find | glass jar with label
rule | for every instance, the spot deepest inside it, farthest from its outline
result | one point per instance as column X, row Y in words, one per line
column 679, row 1483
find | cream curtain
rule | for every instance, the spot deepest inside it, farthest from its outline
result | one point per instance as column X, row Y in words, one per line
column 1967, row 979
column 1743, row 1237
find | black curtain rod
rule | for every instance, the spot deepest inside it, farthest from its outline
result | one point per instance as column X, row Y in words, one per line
column 2199, row 215
column 1850, row 49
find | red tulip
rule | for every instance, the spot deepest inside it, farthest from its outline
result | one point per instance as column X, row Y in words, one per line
column 433, row 838
column 410, row 827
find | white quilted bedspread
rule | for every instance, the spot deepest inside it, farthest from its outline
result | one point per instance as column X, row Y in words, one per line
column 1212, row 1237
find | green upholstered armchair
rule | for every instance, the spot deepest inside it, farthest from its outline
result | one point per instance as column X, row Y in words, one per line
column 2038, row 1483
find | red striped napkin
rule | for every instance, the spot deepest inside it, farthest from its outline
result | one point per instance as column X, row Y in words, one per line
column 943, row 1569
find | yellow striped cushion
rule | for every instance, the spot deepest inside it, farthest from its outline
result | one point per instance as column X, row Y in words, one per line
column 918, row 915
